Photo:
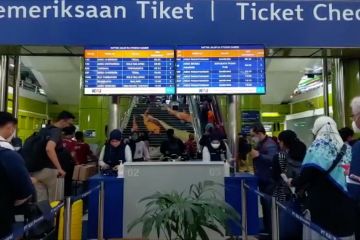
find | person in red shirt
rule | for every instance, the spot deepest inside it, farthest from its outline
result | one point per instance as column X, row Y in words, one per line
column 68, row 141
column 191, row 147
column 211, row 117
column 82, row 150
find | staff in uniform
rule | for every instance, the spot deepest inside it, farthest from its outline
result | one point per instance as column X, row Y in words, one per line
column 115, row 151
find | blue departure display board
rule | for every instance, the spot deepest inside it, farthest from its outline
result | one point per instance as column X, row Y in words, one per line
column 220, row 69
column 129, row 71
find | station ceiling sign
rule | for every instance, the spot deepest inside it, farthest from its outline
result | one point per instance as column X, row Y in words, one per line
column 180, row 22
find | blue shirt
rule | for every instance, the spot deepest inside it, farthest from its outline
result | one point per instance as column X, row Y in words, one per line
column 263, row 164
column 354, row 189
column 15, row 184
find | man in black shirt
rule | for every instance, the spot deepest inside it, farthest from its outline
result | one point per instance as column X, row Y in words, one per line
column 173, row 145
column 47, row 176
column 16, row 187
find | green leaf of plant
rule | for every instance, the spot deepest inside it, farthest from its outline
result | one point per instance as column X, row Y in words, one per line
column 147, row 227
column 215, row 228
column 203, row 235
column 134, row 224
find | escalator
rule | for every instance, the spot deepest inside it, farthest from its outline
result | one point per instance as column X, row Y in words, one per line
column 195, row 105
column 195, row 109
column 156, row 118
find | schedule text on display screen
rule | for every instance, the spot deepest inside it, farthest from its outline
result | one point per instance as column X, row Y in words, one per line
column 129, row 71
column 220, row 69
column 230, row 69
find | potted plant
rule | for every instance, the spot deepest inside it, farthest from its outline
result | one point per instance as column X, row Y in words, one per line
column 183, row 216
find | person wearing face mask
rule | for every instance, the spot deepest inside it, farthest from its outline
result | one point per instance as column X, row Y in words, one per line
column 40, row 152
column 262, row 155
column 323, row 179
column 15, row 181
column 17, row 144
column 215, row 150
column 115, row 151
column 139, row 149
column 353, row 180
column 7, row 129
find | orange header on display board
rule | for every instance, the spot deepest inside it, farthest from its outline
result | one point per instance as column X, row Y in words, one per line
column 129, row 54
column 220, row 53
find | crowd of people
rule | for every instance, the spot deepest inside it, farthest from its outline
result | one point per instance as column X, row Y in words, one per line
column 30, row 174
column 323, row 179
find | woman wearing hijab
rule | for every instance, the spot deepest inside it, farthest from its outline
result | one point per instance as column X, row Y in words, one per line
column 115, row 151
column 323, row 179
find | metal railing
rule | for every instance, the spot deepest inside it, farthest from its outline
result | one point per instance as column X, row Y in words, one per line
column 67, row 204
column 275, row 223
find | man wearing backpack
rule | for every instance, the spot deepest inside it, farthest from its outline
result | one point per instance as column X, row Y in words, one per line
column 353, row 181
column 40, row 153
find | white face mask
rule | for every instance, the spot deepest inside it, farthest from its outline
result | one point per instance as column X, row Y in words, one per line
column 215, row 145
column 256, row 140
column 355, row 127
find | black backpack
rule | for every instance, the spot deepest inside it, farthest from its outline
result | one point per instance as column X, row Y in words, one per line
column 34, row 150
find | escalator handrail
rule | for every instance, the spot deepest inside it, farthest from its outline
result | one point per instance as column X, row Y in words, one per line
column 194, row 111
column 124, row 121
column 216, row 110
column 214, row 106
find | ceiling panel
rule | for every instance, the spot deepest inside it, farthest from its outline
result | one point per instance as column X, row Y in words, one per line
column 294, row 52
column 47, row 50
column 76, row 50
column 283, row 76
column 58, row 76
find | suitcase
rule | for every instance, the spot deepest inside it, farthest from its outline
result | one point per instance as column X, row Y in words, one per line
column 76, row 221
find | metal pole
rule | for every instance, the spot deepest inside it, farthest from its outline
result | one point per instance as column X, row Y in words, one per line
column 326, row 83
column 274, row 219
column 243, row 212
column 17, row 79
column 233, row 125
column 339, row 92
column 3, row 83
column 67, row 219
column 114, row 114
column 101, row 212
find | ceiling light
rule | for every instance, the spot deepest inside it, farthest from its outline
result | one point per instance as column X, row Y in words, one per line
column 270, row 114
